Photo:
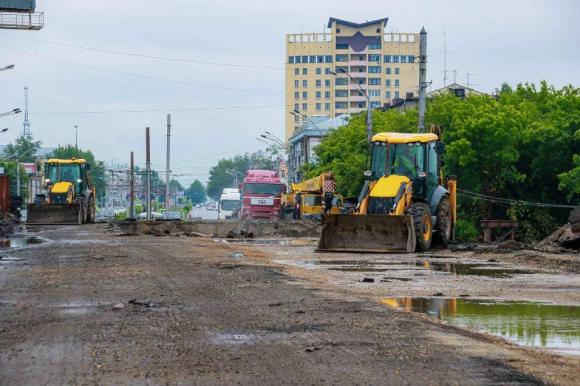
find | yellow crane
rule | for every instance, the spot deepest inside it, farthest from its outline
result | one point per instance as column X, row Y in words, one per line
column 311, row 192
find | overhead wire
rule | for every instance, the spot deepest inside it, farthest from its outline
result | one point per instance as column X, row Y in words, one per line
column 499, row 200
column 176, row 109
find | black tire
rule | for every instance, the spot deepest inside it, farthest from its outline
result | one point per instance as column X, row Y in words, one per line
column 80, row 216
column 91, row 211
column 423, row 225
column 443, row 227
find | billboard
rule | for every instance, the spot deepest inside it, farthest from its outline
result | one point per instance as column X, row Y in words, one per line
column 17, row 5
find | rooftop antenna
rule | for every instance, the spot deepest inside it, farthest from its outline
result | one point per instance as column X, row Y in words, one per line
column 468, row 76
column 454, row 76
column 444, row 59
column 26, row 125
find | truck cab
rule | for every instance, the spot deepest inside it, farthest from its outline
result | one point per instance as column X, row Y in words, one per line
column 229, row 204
column 261, row 194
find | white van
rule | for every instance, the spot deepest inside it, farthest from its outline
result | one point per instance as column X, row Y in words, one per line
column 230, row 204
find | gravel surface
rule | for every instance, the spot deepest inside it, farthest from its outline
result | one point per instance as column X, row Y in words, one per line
column 88, row 307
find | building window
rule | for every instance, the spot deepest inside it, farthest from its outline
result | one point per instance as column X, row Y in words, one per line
column 403, row 59
column 341, row 46
column 296, row 83
column 327, row 106
column 388, row 95
column 387, row 58
column 296, row 94
column 341, row 105
column 395, row 58
column 318, row 106
column 375, row 93
column 375, row 104
column 304, row 71
column 375, row 81
column 328, row 59
column 374, row 58
column 304, row 106
column 341, row 93
column 388, row 70
column 375, row 69
column 342, row 58
column 318, row 83
column 296, row 71
column 318, row 71
column 327, row 83
column 338, row 30
column 312, row 58
column 296, row 106
column 411, row 59
column 327, row 94
column 304, row 95
column 297, row 59
column 340, row 81
column 304, row 83
column 318, row 94
column 375, row 46
column 327, row 71
column 396, row 94
column 397, row 71
column 396, row 82
column 320, row 59
column 290, row 59
column 388, row 83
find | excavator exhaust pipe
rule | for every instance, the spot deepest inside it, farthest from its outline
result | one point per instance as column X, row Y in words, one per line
column 54, row 214
column 367, row 233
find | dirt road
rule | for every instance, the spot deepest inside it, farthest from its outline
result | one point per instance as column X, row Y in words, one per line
column 93, row 308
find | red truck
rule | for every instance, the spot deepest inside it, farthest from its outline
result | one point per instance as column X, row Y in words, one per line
column 261, row 193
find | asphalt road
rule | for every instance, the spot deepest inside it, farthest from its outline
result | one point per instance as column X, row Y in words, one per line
column 88, row 307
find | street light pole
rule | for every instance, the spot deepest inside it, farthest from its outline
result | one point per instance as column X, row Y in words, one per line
column 8, row 67
column 11, row 112
column 76, row 138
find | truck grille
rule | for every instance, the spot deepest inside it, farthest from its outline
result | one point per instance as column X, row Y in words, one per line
column 380, row 205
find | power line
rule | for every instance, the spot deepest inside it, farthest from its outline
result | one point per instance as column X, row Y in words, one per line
column 149, row 77
column 483, row 197
column 157, row 110
column 165, row 58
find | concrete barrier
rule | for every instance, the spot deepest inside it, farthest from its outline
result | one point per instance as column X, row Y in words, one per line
column 224, row 228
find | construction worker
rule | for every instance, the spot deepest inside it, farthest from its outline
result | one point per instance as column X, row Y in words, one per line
column 404, row 165
column 297, row 206
column 328, row 191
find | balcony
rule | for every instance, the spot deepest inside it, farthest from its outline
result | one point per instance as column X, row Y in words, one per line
column 358, row 74
column 355, row 87
column 362, row 63
column 358, row 98
column 22, row 21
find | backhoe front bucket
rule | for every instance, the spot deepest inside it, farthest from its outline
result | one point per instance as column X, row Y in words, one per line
column 367, row 233
column 46, row 214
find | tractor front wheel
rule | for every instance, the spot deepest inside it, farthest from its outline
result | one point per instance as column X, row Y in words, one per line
column 423, row 226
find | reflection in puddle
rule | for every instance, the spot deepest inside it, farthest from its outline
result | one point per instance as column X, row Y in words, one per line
column 477, row 269
column 548, row 326
column 286, row 242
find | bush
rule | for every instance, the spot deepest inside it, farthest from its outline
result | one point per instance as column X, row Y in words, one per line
column 465, row 230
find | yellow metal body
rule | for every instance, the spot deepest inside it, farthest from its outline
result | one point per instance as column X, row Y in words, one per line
column 396, row 138
column 311, row 192
column 67, row 161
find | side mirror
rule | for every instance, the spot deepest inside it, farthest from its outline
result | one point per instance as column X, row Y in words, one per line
column 368, row 174
column 439, row 147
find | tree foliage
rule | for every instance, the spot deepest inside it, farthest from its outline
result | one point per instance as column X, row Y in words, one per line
column 98, row 169
column 23, row 149
column 523, row 144
column 196, row 192
column 222, row 175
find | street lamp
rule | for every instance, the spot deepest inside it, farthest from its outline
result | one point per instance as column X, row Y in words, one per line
column 366, row 95
column 4, row 130
column 8, row 67
column 11, row 112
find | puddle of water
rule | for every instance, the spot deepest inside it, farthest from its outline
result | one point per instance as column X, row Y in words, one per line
column 358, row 269
column 77, row 308
column 476, row 269
column 258, row 241
column 547, row 326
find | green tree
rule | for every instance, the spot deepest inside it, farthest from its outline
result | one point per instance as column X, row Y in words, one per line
column 24, row 149
column 98, row 169
column 196, row 192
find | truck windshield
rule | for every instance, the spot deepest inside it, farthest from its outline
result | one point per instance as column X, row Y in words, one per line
column 229, row 205
column 272, row 189
column 379, row 159
column 70, row 172
column 52, row 173
column 406, row 159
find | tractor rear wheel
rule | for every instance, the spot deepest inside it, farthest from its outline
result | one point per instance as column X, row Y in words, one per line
column 91, row 210
column 443, row 227
column 423, row 226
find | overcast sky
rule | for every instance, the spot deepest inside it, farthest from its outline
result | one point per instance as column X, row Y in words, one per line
column 501, row 41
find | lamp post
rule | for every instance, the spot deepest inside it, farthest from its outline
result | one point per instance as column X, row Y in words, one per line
column 8, row 67
column 366, row 95
column 4, row 130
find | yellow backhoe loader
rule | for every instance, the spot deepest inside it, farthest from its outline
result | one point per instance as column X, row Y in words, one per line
column 69, row 196
column 403, row 204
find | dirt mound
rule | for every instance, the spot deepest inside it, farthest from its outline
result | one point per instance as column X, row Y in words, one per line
column 563, row 238
column 574, row 220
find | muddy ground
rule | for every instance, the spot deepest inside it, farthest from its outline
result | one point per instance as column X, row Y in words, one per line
column 89, row 307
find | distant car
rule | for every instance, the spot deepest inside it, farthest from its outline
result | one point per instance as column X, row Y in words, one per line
column 154, row 215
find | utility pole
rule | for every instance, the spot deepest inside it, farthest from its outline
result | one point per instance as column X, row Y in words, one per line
column 369, row 119
column 132, row 188
column 17, row 177
column 422, row 79
column 167, row 169
column 444, row 59
column 148, row 171
column 76, row 138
